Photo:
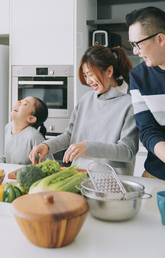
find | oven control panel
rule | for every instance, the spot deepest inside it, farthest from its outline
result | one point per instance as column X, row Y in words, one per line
column 56, row 126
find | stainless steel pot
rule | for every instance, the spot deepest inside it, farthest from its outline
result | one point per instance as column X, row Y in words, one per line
column 113, row 206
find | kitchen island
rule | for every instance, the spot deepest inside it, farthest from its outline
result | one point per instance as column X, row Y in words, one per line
column 141, row 237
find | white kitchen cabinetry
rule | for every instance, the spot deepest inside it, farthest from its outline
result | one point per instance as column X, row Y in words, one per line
column 51, row 32
column 4, row 17
column 140, row 159
column 42, row 32
column 85, row 9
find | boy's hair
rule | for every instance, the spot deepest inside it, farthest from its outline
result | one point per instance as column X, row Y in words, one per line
column 151, row 19
column 41, row 113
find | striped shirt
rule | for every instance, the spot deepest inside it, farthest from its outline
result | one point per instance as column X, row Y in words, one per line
column 147, row 87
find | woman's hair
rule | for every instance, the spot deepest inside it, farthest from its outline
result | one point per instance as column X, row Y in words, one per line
column 98, row 58
column 151, row 19
column 41, row 114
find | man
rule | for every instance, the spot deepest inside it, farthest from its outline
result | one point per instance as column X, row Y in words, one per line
column 147, row 84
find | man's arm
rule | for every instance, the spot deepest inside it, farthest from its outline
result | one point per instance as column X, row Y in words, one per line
column 159, row 150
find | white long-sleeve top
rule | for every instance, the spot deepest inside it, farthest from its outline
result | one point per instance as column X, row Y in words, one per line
column 18, row 147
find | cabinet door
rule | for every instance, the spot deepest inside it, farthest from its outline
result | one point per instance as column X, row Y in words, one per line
column 42, row 32
column 4, row 17
column 139, row 165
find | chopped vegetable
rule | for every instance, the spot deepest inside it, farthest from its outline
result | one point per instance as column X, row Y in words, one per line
column 49, row 167
column 65, row 180
column 10, row 193
column 26, row 176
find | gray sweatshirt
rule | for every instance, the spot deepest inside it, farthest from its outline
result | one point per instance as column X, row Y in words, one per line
column 107, row 126
column 18, row 147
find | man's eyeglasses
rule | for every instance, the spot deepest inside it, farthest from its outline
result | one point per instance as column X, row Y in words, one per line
column 136, row 44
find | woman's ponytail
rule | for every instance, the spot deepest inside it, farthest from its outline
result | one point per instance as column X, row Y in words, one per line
column 124, row 64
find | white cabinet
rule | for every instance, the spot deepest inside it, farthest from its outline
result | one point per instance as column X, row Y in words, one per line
column 42, row 32
column 45, row 32
column 51, row 32
column 140, row 159
column 85, row 10
column 4, row 17
column 139, row 165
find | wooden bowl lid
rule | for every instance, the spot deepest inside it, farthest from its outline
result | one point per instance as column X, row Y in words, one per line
column 49, row 206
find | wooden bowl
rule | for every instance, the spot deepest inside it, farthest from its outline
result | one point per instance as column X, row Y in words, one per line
column 50, row 219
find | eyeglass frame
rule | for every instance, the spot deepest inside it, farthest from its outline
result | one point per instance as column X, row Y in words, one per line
column 135, row 44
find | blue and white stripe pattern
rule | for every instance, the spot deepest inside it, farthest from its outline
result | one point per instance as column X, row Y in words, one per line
column 154, row 103
column 147, row 87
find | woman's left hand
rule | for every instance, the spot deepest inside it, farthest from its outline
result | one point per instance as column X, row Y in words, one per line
column 75, row 151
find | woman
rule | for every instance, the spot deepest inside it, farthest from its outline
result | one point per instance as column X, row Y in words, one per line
column 102, row 126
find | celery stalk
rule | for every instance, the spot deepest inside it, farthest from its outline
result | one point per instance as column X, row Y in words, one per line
column 74, row 180
column 57, row 185
column 46, row 182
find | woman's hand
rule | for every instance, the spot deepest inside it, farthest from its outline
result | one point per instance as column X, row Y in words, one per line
column 75, row 151
column 42, row 149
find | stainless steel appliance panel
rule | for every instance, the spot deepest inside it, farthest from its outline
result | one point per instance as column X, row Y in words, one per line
column 53, row 84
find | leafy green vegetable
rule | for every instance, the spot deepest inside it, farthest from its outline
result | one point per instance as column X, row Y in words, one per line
column 65, row 180
column 49, row 167
column 26, row 176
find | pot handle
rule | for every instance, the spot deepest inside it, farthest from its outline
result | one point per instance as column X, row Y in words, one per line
column 78, row 187
column 149, row 196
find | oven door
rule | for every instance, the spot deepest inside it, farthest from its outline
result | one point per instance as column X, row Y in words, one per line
column 53, row 91
column 56, row 92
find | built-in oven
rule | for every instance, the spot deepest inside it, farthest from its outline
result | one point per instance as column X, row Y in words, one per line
column 52, row 84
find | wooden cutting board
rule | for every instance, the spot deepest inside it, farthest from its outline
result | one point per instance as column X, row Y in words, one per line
column 12, row 175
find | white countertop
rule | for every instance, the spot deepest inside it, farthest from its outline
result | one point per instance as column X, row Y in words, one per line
column 143, row 236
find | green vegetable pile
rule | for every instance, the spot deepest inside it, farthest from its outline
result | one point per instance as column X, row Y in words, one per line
column 65, row 180
column 49, row 167
column 26, row 176
column 45, row 176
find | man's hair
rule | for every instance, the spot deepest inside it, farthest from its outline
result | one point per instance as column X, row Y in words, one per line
column 151, row 19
